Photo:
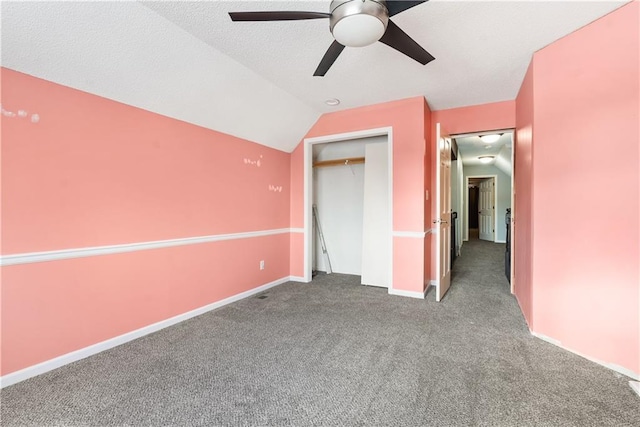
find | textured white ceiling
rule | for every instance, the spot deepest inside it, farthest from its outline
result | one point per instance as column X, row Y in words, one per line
column 255, row 79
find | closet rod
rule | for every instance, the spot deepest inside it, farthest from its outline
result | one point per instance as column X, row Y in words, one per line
column 339, row 162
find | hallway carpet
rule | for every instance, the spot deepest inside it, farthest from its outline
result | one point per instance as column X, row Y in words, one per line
column 334, row 353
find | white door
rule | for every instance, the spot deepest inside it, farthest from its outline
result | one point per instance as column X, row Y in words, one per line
column 486, row 209
column 376, row 220
column 443, row 209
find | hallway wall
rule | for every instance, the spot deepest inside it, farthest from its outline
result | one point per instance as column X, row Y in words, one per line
column 523, row 198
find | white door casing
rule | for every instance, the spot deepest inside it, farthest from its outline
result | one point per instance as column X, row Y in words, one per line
column 513, row 215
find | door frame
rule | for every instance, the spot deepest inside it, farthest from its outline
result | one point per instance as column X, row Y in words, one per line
column 465, row 236
column 461, row 200
column 308, row 190
column 512, row 264
column 466, row 206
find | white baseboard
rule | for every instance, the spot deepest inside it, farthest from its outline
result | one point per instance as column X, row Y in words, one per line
column 635, row 386
column 500, row 241
column 298, row 279
column 410, row 294
column 82, row 353
column 620, row 369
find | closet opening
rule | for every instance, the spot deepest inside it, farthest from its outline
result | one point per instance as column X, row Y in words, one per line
column 348, row 183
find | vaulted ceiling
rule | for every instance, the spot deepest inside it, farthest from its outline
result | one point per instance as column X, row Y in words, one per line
column 255, row 80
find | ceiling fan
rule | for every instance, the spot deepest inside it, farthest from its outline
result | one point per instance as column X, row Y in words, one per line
column 353, row 23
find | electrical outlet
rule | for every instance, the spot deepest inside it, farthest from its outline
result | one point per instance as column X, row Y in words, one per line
column 262, row 265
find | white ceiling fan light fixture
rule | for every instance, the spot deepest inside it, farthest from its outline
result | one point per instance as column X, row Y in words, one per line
column 486, row 159
column 354, row 23
column 491, row 138
column 358, row 23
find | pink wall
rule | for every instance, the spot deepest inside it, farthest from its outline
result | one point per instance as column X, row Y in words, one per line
column 95, row 172
column 586, row 190
column 475, row 118
column 107, row 173
column 522, row 226
column 52, row 308
column 407, row 117
column 297, row 187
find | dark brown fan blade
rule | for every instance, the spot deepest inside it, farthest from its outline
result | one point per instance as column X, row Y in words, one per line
column 399, row 40
column 394, row 7
column 276, row 16
column 329, row 58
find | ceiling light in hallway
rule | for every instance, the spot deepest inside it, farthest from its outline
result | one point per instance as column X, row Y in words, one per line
column 490, row 138
column 486, row 159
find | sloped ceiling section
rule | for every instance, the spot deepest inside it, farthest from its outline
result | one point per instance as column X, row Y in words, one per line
column 126, row 52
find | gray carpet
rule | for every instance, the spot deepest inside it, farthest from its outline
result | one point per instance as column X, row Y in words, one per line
column 334, row 353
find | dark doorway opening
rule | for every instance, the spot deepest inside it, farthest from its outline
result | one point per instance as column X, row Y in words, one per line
column 474, row 194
